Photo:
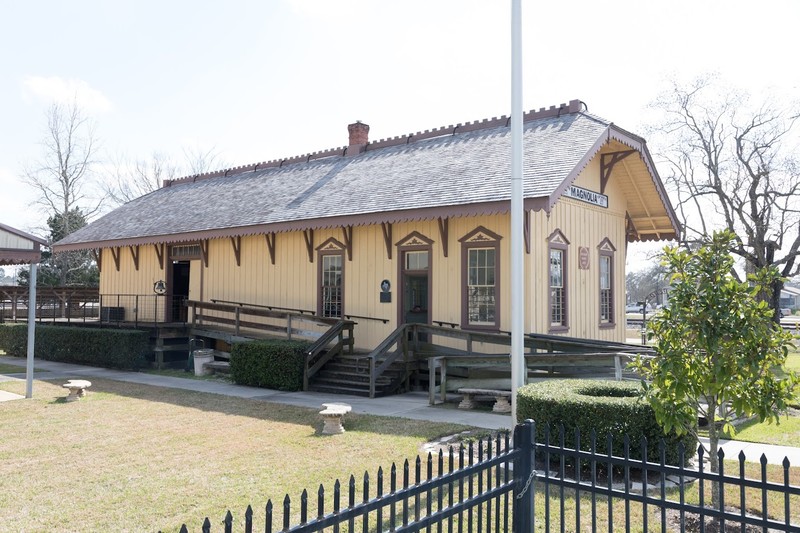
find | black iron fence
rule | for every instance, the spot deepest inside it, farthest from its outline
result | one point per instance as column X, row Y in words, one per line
column 142, row 309
column 499, row 485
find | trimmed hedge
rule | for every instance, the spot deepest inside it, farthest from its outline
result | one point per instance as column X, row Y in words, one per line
column 108, row 348
column 607, row 407
column 270, row 364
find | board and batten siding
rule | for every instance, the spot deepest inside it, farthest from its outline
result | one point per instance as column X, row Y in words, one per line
column 130, row 288
column 10, row 241
column 583, row 225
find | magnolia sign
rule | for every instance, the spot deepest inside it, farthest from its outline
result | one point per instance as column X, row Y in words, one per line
column 585, row 195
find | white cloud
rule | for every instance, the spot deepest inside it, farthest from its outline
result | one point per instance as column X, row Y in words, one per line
column 57, row 89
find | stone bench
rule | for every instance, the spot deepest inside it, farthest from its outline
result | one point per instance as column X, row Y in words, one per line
column 333, row 416
column 77, row 388
column 502, row 403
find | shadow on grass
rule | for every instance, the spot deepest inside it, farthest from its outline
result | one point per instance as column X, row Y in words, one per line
column 265, row 410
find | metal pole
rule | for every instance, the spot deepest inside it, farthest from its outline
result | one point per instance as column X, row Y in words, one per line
column 31, row 331
column 518, row 369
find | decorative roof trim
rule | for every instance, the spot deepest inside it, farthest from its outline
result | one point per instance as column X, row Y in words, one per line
column 19, row 257
column 429, row 213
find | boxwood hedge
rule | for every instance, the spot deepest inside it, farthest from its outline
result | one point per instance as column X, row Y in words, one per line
column 605, row 407
column 271, row 364
column 109, row 348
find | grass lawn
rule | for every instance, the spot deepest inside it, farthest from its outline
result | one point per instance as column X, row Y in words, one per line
column 16, row 369
column 139, row 458
column 787, row 432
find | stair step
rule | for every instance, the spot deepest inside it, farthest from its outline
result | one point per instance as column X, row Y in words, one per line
column 348, row 382
column 172, row 348
column 223, row 367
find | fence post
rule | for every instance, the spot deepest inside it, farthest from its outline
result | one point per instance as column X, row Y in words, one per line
column 524, row 435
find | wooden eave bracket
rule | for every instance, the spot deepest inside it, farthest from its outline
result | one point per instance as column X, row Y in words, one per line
column 387, row 238
column 308, row 235
column 204, row 252
column 115, row 253
column 607, row 162
column 160, row 248
column 236, row 242
column 135, row 255
column 347, row 232
column 270, row 237
column 526, row 231
column 444, row 232
column 630, row 229
column 98, row 258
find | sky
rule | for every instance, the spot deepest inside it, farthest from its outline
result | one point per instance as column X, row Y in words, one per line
column 260, row 80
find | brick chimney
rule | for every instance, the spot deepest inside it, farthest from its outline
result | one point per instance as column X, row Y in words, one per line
column 359, row 137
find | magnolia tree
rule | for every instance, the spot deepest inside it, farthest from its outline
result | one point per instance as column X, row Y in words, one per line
column 720, row 355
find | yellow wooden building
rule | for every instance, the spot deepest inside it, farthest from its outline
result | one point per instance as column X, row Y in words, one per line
column 413, row 228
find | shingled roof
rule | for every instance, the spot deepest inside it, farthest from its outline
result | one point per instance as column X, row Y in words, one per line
column 452, row 171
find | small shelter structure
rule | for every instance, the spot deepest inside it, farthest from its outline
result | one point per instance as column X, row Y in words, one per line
column 16, row 248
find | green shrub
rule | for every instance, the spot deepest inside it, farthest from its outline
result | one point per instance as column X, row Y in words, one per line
column 271, row 364
column 605, row 407
column 14, row 339
column 109, row 348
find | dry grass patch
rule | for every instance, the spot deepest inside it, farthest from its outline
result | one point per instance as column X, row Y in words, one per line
column 132, row 457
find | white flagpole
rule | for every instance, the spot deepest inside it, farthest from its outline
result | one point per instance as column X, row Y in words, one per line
column 518, row 368
column 31, row 331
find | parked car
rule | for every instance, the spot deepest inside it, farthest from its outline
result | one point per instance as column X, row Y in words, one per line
column 633, row 308
column 785, row 311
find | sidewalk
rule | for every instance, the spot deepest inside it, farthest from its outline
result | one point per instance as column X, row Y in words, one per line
column 413, row 405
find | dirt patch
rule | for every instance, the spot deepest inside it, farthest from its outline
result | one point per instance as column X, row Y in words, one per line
column 691, row 522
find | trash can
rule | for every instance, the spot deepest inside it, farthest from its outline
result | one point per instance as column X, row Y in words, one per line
column 200, row 358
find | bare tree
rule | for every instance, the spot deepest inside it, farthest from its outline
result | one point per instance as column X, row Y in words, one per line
column 63, row 179
column 133, row 179
column 734, row 167
column 199, row 160
column 62, row 176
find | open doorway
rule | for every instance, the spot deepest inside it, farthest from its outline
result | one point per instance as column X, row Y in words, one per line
column 179, row 291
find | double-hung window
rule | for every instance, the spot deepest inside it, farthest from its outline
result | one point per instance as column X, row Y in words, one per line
column 557, row 253
column 480, row 256
column 606, row 257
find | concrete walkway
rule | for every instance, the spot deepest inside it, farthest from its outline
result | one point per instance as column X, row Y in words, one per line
column 413, row 405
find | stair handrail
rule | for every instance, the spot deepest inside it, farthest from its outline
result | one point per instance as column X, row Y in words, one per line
column 315, row 359
column 382, row 350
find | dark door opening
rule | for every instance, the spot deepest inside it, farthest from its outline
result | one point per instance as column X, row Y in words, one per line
column 180, row 291
column 415, row 298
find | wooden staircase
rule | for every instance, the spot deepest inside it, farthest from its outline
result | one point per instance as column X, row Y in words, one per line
column 170, row 347
column 349, row 374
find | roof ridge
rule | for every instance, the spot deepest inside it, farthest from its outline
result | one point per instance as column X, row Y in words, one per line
column 574, row 106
